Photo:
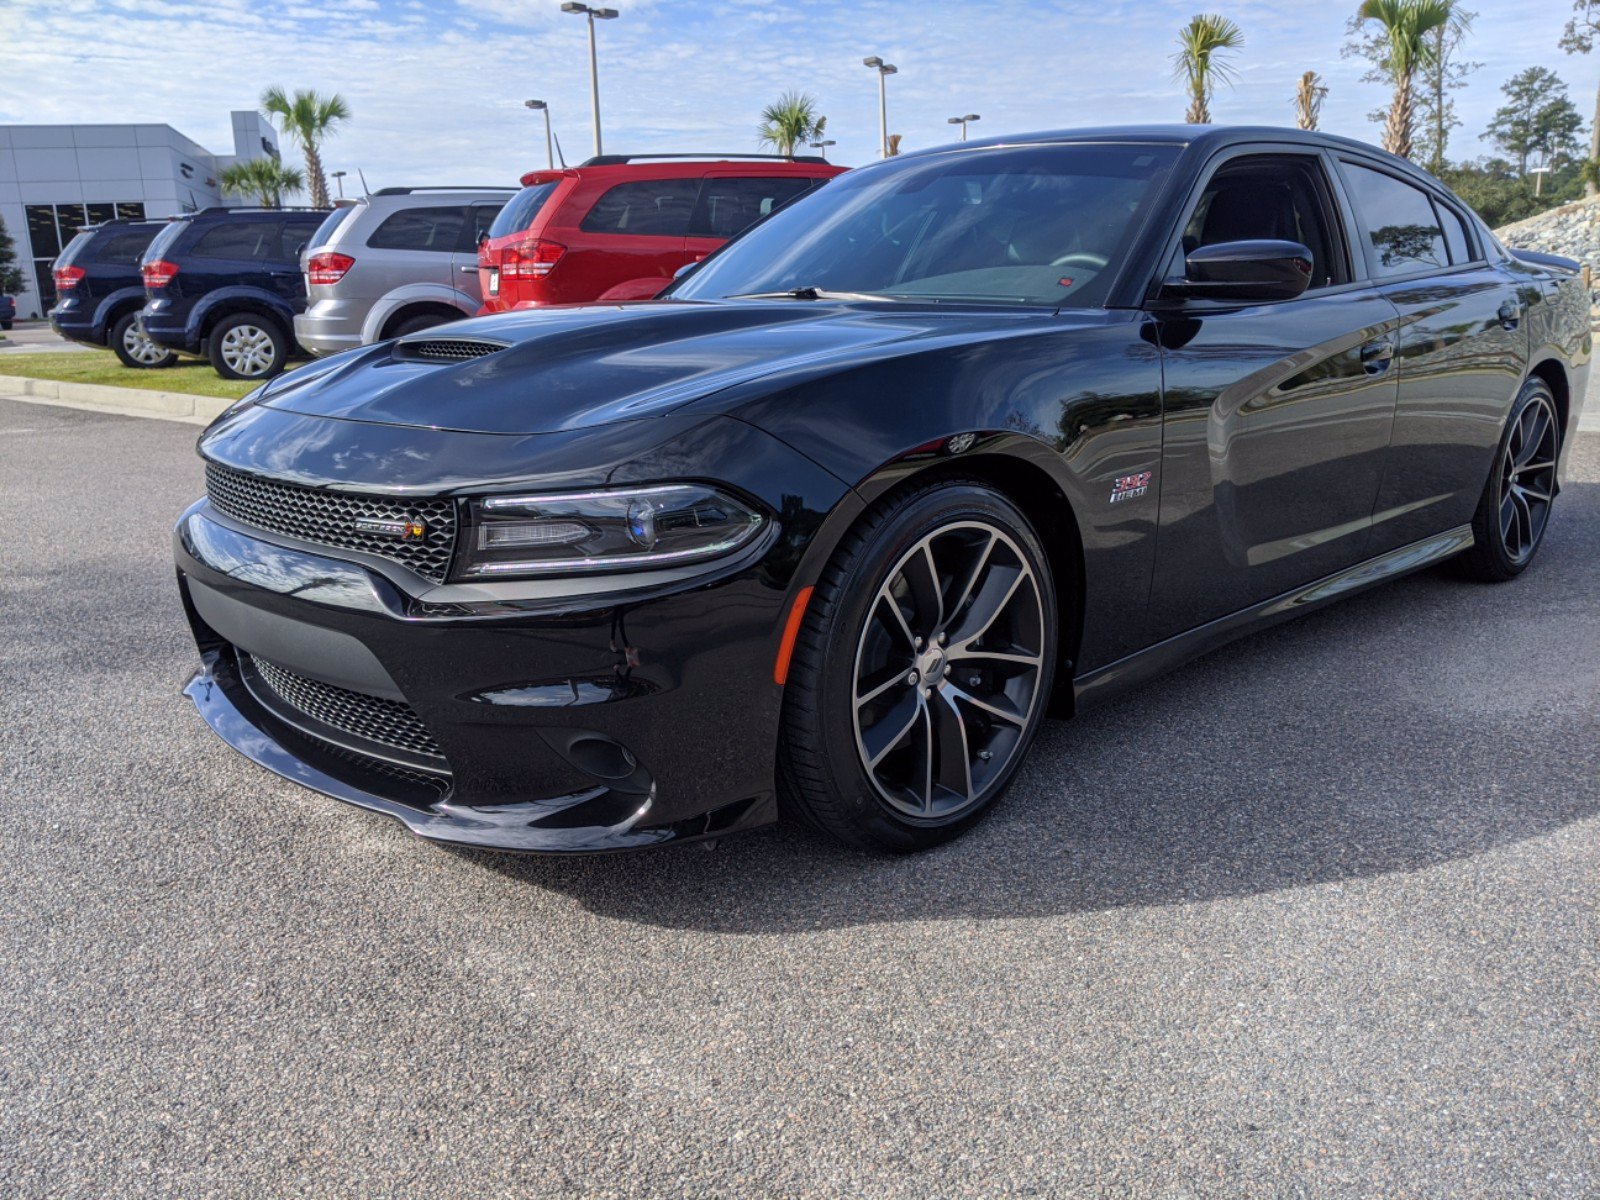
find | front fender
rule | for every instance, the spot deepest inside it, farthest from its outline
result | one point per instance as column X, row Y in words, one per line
column 413, row 293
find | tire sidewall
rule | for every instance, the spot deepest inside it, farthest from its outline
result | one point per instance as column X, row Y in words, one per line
column 280, row 346
column 853, row 791
column 119, row 330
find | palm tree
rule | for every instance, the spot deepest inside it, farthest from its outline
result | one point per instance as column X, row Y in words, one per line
column 1200, row 61
column 308, row 118
column 1308, row 98
column 1404, row 26
column 265, row 178
column 791, row 122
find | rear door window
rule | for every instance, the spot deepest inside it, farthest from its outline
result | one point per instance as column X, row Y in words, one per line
column 649, row 208
column 297, row 234
column 1403, row 231
column 1455, row 235
column 480, row 220
column 519, row 212
column 730, row 206
column 240, row 241
column 124, row 248
column 435, row 229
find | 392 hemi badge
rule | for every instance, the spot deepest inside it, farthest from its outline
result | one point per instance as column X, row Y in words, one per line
column 407, row 529
column 1126, row 487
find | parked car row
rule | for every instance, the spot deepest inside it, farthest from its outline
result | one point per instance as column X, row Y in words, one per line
column 250, row 288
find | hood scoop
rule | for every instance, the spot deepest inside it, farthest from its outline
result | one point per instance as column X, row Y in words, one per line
column 445, row 350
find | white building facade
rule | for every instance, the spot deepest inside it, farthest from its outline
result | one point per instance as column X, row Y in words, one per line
column 55, row 178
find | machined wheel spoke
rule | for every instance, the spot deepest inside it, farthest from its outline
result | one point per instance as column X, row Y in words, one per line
column 1508, row 518
column 955, row 751
column 1524, row 523
column 999, row 709
column 899, row 622
column 901, row 678
column 895, row 725
column 921, row 577
column 927, row 758
column 1016, row 658
column 1529, row 493
column 965, row 596
column 995, row 593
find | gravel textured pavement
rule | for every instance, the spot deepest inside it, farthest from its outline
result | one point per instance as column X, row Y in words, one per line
column 1314, row 916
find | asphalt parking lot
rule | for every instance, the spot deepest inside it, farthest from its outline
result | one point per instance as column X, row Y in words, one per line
column 1315, row 916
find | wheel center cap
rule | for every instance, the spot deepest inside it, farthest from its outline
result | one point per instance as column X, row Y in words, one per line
column 931, row 665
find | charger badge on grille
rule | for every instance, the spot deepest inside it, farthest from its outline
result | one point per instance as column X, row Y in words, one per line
column 408, row 529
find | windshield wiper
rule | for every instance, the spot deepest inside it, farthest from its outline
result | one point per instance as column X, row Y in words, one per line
column 809, row 293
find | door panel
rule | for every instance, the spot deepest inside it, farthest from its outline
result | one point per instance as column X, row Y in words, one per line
column 1277, row 422
column 1459, row 363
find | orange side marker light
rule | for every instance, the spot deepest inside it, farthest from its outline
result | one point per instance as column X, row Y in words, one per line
column 791, row 630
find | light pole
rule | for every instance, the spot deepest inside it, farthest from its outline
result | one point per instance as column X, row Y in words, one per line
column 884, row 70
column 823, row 146
column 338, row 177
column 549, row 149
column 603, row 14
column 962, row 121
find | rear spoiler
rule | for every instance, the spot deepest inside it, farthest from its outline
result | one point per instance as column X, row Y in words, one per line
column 549, row 175
column 1547, row 260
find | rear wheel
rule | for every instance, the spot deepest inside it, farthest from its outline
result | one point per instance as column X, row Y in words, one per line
column 921, row 673
column 134, row 349
column 1514, row 510
column 247, row 346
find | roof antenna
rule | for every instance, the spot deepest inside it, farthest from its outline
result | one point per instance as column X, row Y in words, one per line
column 560, row 157
column 365, row 190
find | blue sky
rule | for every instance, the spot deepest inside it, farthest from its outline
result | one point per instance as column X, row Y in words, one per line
column 436, row 87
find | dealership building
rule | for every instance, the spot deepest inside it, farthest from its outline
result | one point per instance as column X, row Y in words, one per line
column 54, row 178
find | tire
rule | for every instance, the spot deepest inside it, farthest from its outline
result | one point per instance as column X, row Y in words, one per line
column 857, row 677
column 1514, row 510
column 133, row 349
column 248, row 346
column 5, row 326
column 420, row 322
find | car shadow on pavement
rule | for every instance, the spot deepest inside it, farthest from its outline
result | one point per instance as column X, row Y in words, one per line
column 1422, row 722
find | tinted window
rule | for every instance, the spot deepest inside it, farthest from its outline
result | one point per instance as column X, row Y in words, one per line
column 124, row 248
column 519, row 213
column 163, row 241
column 1400, row 221
column 650, row 208
column 483, row 218
column 74, row 248
column 1281, row 198
column 1455, row 236
column 245, row 241
column 324, row 233
column 1009, row 225
column 730, row 206
column 436, row 229
column 297, row 234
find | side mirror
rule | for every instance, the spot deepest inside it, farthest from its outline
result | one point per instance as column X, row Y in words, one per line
column 686, row 268
column 1246, row 272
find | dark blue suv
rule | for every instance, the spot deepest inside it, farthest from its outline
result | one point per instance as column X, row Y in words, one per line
column 99, row 291
column 225, row 283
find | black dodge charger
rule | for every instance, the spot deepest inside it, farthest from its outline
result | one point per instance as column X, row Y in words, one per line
column 961, row 439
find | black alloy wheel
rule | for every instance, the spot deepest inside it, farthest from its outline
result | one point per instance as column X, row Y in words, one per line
column 922, row 671
column 1514, row 511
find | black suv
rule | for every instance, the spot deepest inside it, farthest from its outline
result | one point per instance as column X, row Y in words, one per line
column 225, row 283
column 99, row 291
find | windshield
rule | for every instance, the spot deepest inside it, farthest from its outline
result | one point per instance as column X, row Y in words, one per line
column 1041, row 225
column 520, row 210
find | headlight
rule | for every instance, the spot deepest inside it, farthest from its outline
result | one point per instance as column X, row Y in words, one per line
column 625, row 530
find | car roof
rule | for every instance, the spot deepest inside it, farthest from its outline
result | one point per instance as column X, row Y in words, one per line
column 680, row 166
column 1199, row 137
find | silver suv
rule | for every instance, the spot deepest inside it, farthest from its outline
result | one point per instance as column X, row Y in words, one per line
column 394, row 262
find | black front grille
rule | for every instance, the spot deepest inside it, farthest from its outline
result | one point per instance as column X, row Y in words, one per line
column 330, row 518
column 445, row 349
column 371, row 718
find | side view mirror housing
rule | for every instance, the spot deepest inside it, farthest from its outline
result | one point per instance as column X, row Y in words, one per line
column 1246, row 272
column 687, row 267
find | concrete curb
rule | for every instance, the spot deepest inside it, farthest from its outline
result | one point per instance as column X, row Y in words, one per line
column 127, row 402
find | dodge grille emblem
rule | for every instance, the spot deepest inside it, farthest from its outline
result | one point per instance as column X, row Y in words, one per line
column 406, row 529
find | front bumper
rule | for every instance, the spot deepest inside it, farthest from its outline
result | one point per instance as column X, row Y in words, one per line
column 564, row 725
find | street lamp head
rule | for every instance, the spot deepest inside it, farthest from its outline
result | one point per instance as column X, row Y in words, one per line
column 972, row 117
column 573, row 7
column 874, row 61
column 889, row 69
column 605, row 14
column 534, row 104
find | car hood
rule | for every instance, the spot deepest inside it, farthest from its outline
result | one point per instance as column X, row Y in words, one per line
column 558, row 369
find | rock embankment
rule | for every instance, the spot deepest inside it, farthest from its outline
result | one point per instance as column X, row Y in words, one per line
column 1572, row 231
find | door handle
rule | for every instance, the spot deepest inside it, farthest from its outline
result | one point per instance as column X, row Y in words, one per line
column 468, row 270
column 1376, row 356
column 1510, row 315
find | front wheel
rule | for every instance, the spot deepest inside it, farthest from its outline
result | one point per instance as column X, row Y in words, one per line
column 922, row 670
column 134, row 349
column 245, row 346
column 1514, row 509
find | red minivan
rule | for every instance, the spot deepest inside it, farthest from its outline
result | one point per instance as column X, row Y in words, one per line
column 616, row 227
